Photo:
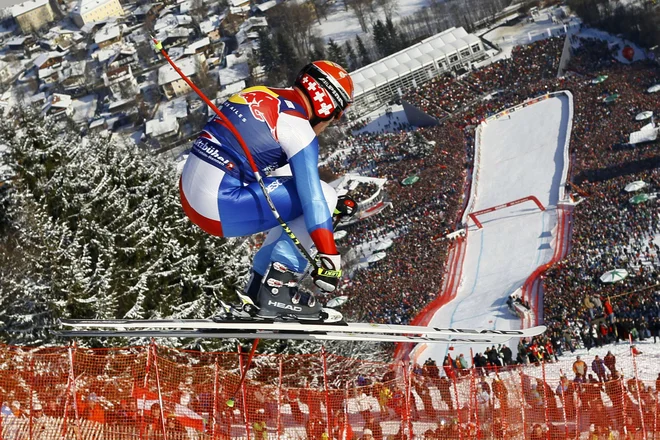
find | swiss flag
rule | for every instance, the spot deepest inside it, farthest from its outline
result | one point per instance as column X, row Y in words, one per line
column 188, row 418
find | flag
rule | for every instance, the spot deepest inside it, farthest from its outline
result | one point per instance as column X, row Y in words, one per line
column 188, row 418
column 145, row 398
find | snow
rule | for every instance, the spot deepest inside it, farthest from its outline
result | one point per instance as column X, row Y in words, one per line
column 84, row 108
column 640, row 54
column 342, row 25
column 520, row 155
column 378, row 120
column 525, row 32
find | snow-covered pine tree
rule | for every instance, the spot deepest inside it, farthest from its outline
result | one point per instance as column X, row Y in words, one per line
column 97, row 231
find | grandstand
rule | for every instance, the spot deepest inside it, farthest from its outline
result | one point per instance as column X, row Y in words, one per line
column 447, row 51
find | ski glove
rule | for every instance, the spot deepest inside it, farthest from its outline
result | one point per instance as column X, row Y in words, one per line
column 327, row 273
column 346, row 206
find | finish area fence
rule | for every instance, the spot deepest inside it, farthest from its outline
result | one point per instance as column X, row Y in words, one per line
column 153, row 392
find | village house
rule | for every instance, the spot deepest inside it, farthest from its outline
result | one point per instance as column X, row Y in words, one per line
column 60, row 40
column 49, row 66
column 58, row 106
column 123, row 56
column 32, row 15
column 202, row 46
column 240, row 7
column 146, row 12
column 163, row 129
column 89, row 11
column 211, row 27
column 22, row 44
column 169, row 81
column 236, row 71
column 121, row 82
column 108, row 35
column 248, row 31
column 73, row 78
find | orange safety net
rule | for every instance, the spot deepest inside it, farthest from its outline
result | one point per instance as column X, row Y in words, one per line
column 154, row 392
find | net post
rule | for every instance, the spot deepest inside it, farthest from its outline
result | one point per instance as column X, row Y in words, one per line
column 74, row 397
column 243, row 393
column 522, row 402
column 639, row 397
column 152, row 347
column 279, row 400
column 545, row 396
column 31, row 388
column 144, row 392
column 405, row 412
column 214, row 408
column 474, row 399
column 623, row 403
column 458, row 403
column 328, row 411
column 407, row 374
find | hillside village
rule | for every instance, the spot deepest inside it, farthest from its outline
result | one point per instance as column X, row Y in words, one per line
column 92, row 60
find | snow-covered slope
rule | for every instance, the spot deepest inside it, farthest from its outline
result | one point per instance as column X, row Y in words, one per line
column 520, row 155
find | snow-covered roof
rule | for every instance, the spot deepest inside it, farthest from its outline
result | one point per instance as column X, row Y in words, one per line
column 263, row 7
column 39, row 97
column 235, row 73
column 184, row 6
column 84, row 108
column 248, row 29
column 143, row 9
column 177, row 108
column 115, row 104
column 231, row 89
column 183, row 19
column 237, row 3
column 76, row 68
column 43, row 57
column 97, row 123
column 107, row 33
column 16, row 41
column 425, row 52
column 166, row 124
column 85, row 6
column 59, row 100
column 192, row 48
column 27, row 6
column 211, row 24
column 166, row 74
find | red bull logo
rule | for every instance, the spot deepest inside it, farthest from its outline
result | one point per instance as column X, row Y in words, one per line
column 264, row 106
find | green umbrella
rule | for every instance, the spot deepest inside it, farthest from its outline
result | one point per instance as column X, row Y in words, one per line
column 410, row 180
column 599, row 79
column 611, row 98
column 612, row 276
column 639, row 198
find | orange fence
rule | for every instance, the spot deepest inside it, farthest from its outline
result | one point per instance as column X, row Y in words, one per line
column 152, row 392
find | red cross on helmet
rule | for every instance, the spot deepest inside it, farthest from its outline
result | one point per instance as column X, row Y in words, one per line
column 328, row 87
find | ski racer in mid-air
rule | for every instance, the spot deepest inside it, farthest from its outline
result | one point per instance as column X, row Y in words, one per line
column 221, row 195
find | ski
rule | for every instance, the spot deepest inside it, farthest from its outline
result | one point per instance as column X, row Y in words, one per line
column 254, row 334
column 301, row 326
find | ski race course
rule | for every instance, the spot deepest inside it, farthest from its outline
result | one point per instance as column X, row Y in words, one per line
column 521, row 152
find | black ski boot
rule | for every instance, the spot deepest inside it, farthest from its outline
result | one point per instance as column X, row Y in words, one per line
column 280, row 297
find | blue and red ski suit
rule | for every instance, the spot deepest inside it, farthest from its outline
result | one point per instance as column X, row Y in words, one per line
column 220, row 194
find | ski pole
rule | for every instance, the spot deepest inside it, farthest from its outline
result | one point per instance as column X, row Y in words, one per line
column 159, row 47
column 230, row 402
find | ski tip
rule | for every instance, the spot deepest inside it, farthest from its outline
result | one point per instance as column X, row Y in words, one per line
column 535, row 331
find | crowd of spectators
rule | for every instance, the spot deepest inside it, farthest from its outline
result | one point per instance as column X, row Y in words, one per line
column 608, row 231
